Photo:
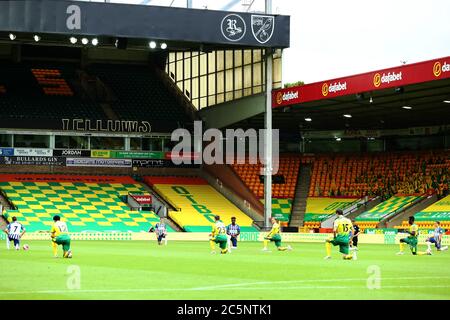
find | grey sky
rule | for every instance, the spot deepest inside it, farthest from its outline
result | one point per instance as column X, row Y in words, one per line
column 332, row 38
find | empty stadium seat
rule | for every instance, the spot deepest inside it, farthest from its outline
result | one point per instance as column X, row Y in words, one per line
column 403, row 173
column 288, row 167
column 197, row 203
column 43, row 91
column 382, row 210
column 140, row 94
column 85, row 206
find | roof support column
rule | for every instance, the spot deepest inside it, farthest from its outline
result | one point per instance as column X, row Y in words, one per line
column 268, row 132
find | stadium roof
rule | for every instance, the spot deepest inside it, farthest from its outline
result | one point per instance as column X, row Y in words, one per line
column 181, row 28
column 400, row 97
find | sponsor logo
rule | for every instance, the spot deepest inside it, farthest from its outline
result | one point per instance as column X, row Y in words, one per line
column 95, row 162
column 33, row 152
column 71, row 152
column 32, row 160
column 287, row 96
column 333, row 88
column 7, row 152
column 386, row 78
column 262, row 27
column 142, row 198
column 438, row 69
column 233, row 27
column 279, row 98
column 325, row 89
column 148, row 163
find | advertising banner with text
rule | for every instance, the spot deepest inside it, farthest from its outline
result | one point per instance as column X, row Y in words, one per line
column 33, row 152
column 387, row 78
column 92, row 162
column 34, row 161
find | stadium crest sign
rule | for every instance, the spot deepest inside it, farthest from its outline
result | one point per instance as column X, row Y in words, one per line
column 233, row 27
column 262, row 27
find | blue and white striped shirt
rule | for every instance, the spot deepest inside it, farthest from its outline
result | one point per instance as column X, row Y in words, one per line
column 233, row 230
column 160, row 228
column 14, row 230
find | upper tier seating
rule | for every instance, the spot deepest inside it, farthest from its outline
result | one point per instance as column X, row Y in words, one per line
column 84, row 205
column 39, row 91
column 140, row 94
column 197, row 203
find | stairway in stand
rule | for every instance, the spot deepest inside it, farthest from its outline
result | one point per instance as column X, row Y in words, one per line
column 301, row 194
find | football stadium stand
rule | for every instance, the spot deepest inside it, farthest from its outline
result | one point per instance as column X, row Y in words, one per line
column 281, row 210
column 383, row 174
column 86, row 203
column 371, row 218
column 196, row 203
column 439, row 211
column 319, row 209
column 137, row 90
column 288, row 168
column 43, row 92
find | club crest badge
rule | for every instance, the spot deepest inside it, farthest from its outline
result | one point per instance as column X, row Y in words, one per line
column 233, row 27
column 262, row 27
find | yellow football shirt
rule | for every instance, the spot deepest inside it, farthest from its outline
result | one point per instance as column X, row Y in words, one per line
column 59, row 228
column 414, row 228
column 275, row 230
column 343, row 226
column 218, row 228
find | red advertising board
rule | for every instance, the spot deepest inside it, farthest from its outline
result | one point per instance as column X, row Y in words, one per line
column 142, row 198
column 371, row 81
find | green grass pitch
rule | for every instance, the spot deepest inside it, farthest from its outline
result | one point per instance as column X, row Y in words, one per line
column 187, row 270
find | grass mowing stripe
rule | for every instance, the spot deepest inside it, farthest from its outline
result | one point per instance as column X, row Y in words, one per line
column 186, row 270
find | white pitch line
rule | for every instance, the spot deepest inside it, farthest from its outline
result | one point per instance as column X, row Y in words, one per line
column 242, row 286
column 187, row 289
column 234, row 285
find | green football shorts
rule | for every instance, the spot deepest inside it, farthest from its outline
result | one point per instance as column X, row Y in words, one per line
column 343, row 242
column 63, row 240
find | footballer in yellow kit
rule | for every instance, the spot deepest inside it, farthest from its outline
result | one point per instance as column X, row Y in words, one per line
column 412, row 239
column 342, row 230
column 60, row 236
column 275, row 236
column 218, row 235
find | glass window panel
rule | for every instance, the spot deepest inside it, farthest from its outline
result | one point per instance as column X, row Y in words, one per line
column 6, row 140
column 108, row 143
column 71, row 142
column 31, row 141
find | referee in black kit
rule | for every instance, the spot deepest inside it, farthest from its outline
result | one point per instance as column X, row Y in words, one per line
column 354, row 240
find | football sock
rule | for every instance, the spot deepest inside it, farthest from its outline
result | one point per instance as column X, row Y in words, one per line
column 401, row 246
column 7, row 243
column 55, row 249
column 212, row 244
column 266, row 242
column 429, row 245
column 328, row 248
